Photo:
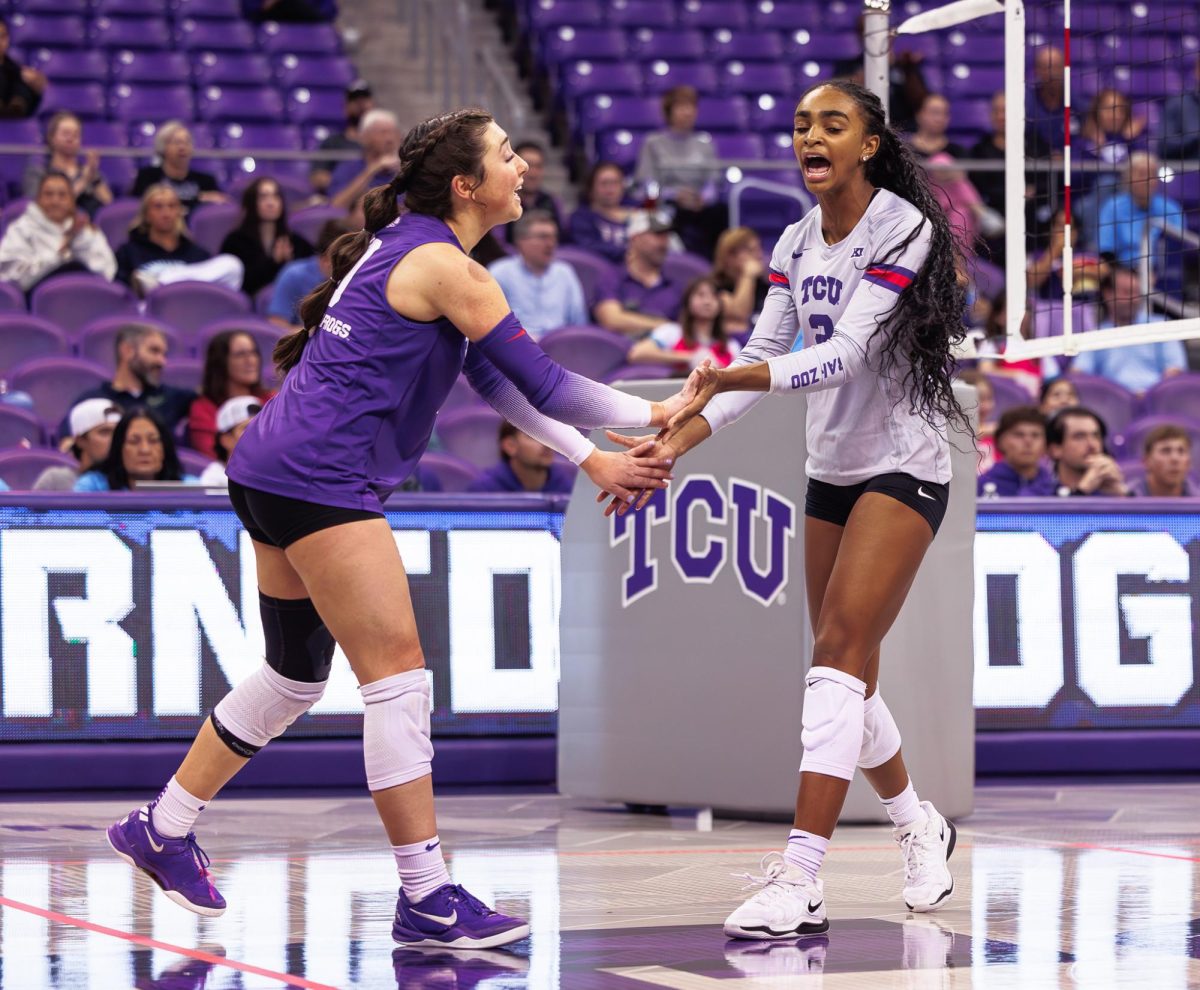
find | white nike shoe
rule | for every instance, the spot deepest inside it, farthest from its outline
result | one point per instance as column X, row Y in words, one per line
column 789, row 905
column 927, row 845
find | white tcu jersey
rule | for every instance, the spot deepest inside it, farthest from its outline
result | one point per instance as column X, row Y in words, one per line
column 859, row 423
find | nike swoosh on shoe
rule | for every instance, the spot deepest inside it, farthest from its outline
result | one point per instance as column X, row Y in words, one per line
column 449, row 920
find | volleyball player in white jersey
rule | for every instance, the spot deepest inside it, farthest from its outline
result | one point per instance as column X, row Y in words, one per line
column 870, row 278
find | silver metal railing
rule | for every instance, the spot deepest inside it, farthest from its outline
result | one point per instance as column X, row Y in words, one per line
column 767, row 186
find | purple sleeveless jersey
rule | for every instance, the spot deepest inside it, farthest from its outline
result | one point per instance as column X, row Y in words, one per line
column 355, row 414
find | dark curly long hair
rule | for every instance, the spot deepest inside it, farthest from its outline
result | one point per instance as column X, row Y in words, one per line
column 431, row 155
column 927, row 320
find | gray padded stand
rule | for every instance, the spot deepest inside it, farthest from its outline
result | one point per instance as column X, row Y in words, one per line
column 683, row 657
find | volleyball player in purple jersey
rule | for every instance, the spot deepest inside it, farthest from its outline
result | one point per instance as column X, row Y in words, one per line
column 870, row 277
column 387, row 337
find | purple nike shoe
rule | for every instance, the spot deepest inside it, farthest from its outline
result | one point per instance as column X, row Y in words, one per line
column 454, row 919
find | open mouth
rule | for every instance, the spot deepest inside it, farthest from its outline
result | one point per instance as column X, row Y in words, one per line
column 816, row 167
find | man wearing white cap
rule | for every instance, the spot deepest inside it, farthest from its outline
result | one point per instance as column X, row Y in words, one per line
column 91, row 424
column 232, row 419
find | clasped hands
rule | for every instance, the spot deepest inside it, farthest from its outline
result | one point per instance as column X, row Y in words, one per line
column 627, row 480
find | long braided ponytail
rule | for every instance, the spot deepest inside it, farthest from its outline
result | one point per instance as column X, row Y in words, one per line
column 431, row 155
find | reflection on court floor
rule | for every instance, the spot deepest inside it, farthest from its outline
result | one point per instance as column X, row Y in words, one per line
column 1057, row 887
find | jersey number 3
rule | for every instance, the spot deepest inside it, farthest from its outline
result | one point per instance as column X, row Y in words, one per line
column 823, row 326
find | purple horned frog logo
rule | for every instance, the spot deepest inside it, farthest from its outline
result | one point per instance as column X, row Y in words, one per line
column 699, row 554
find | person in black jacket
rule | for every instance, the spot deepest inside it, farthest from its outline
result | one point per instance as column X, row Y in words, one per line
column 159, row 251
column 262, row 239
column 173, row 149
column 21, row 86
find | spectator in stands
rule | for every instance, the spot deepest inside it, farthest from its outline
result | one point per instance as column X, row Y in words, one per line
column 50, row 238
column 1108, row 135
column 930, row 138
column 544, row 293
column 142, row 450
column 970, row 220
column 1075, row 441
column 1057, row 393
column 91, row 424
column 1135, row 366
column 526, row 465
column 906, row 83
column 298, row 278
column 262, row 240
column 1027, row 372
column 137, row 382
column 698, row 336
column 64, row 141
column 21, row 86
column 1044, row 272
column 1021, row 441
column 379, row 134
column 173, row 148
column 1167, row 458
column 532, row 194
column 679, row 166
column 291, row 11
column 985, row 411
column 232, row 369
column 598, row 225
column 359, row 100
column 231, row 421
column 1045, row 101
column 991, row 147
column 1179, row 129
column 740, row 270
column 1125, row 218
column 640, row 297
column 159, row 251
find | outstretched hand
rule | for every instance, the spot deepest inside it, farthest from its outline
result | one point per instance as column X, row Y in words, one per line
column 664, row 410
column 703, row 383
column 641, row 447
column 628, row 475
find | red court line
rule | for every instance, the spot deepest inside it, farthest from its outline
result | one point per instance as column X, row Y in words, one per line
column 1131, row 852
column 151, row 943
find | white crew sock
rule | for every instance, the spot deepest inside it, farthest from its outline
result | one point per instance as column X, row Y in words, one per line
column 805, row 851
column 176, row 811
column 905, row 808
column 422, row 868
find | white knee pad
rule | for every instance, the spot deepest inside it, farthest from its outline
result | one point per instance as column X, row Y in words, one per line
column 833, row 722
column 396, row 746
column 260, row 708
column 881, row 738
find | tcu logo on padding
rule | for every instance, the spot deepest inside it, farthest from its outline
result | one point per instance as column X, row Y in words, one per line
column 700, row 559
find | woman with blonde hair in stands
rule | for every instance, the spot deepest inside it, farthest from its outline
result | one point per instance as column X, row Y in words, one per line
column 159, row 251
column 739, row 271
column 64, row 143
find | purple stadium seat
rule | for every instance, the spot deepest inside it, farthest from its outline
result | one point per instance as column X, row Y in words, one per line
column 545, row 14
column 231, row 69
column 190, row 306
column 116, row 218
column 838, row 15
column 23, row 337
column 682, row 267
column 669, row 43
column 640, row 372
column 292, row 177
column 129, row 66
column 20, row 427
column 583, row 77
column 184, row 372
column 69, row 66
column 306, row 106
column 641, row 13
column 128, row 8
column 47, row 30
column 739, row 145
column 771, row 112
column 601, row 112
column 73, row 300
column 748, row 45
column 929, row 46
column 567, row 42
column 147, row 101
column 130, row 32
column 1088, row 19
column 299, row 39
column 53, row 382
column 1127, row 442
column 258, row 135
column 1175, row 396
column 972, row 115
column 1047, row 318
column 1009, row 393
column 590, row 351
column 21, row 468
column 214, row 36
column 218, row 10
column 470, row 433
column 1147, row 82
column 12, row 299
column 41, row 7
column 1115, row 405
column 975, row 49
column 97, row 342
column 784, row 16
column 215, row 103
column 325, row 71
column 309, row 221
column 453, row 473
column 84, row 99
column 262, row 298
column 210, row 222
column 192, row 461
column 661, row 75
column 988, row 278
column 976, row 80
column 620, row 146
column 723, row 113
column 590, row 268
column 461, row 394
column 712, row 14
column 265, row 333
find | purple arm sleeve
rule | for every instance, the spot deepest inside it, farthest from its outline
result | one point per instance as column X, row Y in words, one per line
column 550, row 388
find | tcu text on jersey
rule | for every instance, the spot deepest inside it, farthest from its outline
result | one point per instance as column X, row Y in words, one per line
column 821, row 288
column 698, row 553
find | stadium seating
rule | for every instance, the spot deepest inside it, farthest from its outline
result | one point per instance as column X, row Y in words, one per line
column 21, row 468
column 453, row 473
column 1115, row 405
column 23, row 337
column 590, row 351
column 471, row 433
